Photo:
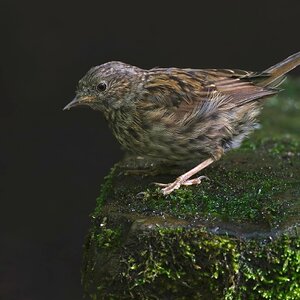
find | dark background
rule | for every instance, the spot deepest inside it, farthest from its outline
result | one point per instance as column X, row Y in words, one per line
column 52, row 162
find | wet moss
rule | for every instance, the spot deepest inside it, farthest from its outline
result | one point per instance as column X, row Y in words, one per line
column 108, row 238
column 153, row 268
column 191, row 263
column 105, row 189
column 275, row 273
column 218, row 200
column 239, row 190
column 101, row 245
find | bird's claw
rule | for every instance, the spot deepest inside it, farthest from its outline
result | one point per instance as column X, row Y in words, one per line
column 170, row 187
column 195, row 181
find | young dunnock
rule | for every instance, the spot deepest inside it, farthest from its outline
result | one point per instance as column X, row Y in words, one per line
column 179, row 115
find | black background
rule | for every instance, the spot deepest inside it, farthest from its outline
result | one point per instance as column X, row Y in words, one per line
column 52, row 162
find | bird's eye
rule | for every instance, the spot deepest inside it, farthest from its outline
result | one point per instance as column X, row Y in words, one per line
column 101, row 87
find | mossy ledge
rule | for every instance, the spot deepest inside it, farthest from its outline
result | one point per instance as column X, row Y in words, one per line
column 235, row 236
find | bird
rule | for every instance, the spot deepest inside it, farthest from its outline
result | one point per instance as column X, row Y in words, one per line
column 180, row 115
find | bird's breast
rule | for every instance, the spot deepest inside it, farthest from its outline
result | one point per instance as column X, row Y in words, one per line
column 157, row 136
column 160, row 134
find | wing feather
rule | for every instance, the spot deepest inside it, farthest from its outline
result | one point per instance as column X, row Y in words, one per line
column 181, row 90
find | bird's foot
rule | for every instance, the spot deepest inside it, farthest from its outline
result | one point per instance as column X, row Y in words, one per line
column 170, row 187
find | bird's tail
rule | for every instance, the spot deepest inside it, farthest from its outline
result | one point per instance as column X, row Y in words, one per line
column 275, row 74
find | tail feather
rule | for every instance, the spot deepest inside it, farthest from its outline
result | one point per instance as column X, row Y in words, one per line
column 276, row 73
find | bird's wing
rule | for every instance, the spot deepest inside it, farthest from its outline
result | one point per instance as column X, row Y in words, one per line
column 181, row 90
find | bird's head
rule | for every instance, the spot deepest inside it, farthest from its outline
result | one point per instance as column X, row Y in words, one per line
column 108, row 86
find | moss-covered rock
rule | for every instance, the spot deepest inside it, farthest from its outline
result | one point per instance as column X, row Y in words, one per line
column 235, row 236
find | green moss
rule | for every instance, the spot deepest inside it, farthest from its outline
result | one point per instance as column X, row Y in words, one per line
column 108, row 238
column 194, row 264
column 105, row 189
column 225, row 201
column 155, row 264
column 102, row 243
column 284, row 145
column 240, row 190
column 276, row 271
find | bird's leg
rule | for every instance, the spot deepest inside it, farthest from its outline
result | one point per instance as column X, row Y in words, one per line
column 184, row 179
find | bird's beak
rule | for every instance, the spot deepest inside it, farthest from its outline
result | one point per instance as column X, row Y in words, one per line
column 73, row 103
column 78, row 101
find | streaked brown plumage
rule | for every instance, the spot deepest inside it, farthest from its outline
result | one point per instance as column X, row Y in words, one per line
column 179, row 115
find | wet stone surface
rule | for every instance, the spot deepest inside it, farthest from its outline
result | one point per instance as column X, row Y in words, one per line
column 235, row 236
